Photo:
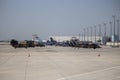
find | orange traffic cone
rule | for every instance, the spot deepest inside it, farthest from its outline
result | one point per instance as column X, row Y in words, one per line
column 29, row 55
column 99, row 54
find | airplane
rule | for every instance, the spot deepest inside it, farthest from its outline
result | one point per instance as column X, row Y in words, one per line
column 38, row 41
column 82, row 44
column 27, row 43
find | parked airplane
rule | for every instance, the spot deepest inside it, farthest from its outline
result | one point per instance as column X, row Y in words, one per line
column 27, row 43
column 82, row 44
column 38, row 41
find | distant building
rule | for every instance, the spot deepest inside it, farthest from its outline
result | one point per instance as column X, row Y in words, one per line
column 115, row 38
column 60, row 38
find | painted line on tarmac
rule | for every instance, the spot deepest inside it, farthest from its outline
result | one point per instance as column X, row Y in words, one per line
column 68, row 77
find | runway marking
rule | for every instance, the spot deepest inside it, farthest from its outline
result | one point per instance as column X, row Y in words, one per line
column 67, row 77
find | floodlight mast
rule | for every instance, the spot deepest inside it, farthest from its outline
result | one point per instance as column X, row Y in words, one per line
column 110, row 29
column 87, row 34
column 114, row 27
column 111, row 32
column 84, row 34
column 91, row 33
column 99, row 31
column 105, row 32
column 118, row 29
column 95, row 33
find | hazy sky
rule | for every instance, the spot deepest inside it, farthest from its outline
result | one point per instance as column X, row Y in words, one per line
column 20, row 19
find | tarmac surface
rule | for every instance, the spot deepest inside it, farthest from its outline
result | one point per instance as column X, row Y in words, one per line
column 59, row 63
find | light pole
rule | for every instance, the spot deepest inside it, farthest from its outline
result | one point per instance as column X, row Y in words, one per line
column 118, row 32
column 118, row 29
column 95, row 34
column 105, row 33
column 91, row 33
column 79, row 36
column 84, row 34
column 114, row 27
column 111, row 32
column 87, row 34
column 99, row 32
